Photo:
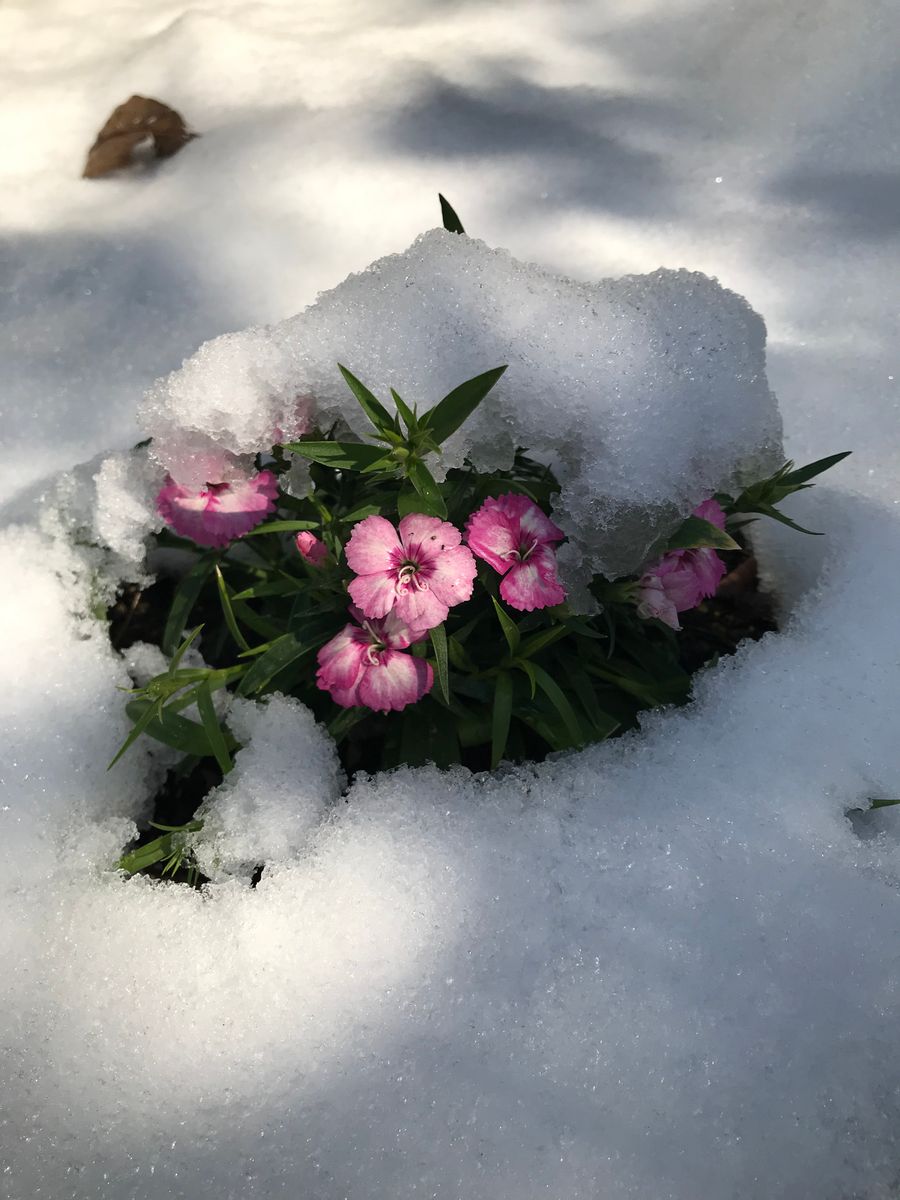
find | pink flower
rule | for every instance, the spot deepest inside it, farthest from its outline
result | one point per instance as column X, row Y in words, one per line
column 418, row 572
column 365, row 665
column 516, row 538
column 220, row 512
column 313, row 549
column 682, row 578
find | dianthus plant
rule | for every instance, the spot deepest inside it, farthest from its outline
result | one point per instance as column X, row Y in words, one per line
column 419, row 620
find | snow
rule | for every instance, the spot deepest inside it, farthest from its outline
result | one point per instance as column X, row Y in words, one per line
column 661, row 380
column 662, row 967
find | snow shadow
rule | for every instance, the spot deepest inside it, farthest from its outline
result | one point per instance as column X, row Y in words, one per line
column 863, row 204
column 581, row 143
column 84, row 315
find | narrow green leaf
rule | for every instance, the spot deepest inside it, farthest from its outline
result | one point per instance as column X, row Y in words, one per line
column 769, row 511
column 147, row 855
column 429, row 492
column 695, row 533
column 341, row 725
column 451, row 221
column 281, row 527
column 457, row 406
column 278, row 587
column 228, row 611
column 281, row 653
column 207, row 711
column 442, row 668
column 540, row 641
column 340, row 456
column 168, row 727
column 140, row 724
column 458, row 656
column 802, row 474
column 528, row 668
column 501, row 717
column 372, row 407
column 509, row 627
column 884, row 803
column 186, row 595
column 360, row 513
column 557, row 698
column 409, row 417
column 182, row 650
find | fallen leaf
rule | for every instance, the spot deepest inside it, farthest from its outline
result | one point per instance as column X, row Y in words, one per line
column 138, row 120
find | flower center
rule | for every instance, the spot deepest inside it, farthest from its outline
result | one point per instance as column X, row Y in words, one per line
column 523, row 552
column 408, row 574
column 377, row 644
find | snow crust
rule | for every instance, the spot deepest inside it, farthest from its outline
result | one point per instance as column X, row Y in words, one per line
column 662, row 968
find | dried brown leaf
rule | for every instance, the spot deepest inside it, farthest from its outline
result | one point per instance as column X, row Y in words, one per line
column 137, row 120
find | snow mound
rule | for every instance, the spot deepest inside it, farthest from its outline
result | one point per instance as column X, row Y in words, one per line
column 646, row 394
column 283, row 778
column 662, row 966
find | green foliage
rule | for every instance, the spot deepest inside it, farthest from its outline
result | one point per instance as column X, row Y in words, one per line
column 451, row 221
column 764, row 497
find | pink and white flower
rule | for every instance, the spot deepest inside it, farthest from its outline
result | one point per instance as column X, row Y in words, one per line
column 418, row 572
column 218, row 513
column 311, row 548
column 682, row 578
column 365, row 664
column 517, row 539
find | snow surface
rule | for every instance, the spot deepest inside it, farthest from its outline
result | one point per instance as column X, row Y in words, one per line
column 664, row 967
column 647, row 394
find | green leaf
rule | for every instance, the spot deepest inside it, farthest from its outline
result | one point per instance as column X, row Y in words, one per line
column 281, row 653
column 372, row 407
column 432, row 502
column 695, row 533
column 409, row 417
column 409, row 501
column 360, row 513
column 207, row 711
column 442, row 669
column 451, row 221
column 340, row 456
column 140, row 724
column 883, row 803
column 509, row 627
column 186, row 595
column 182, row 650
column 458, row 656
column 281, row 527
column 341, row 725
column 501, row 717
column 172, row 730
column 555, row 695
column 803, row 474
column 528, row 668
column 540, row 641
column 228, row 611
column 769, row 511
column 277, row 587
column 457, row 406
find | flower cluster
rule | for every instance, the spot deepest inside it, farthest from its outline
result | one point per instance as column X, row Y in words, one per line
column 419, row 620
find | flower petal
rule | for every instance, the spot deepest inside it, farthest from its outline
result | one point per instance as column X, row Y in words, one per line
column 340, row 659
column 424, row 537
column 708, row 570
column 532, row 521
column 533, row 583
column 420, row 609
column 219, row 513
column 711, row 510
column 452, row 575
column 653, row 602
column 374, row 594
column 491, row 536
column 397, row 680
column 371, row 546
